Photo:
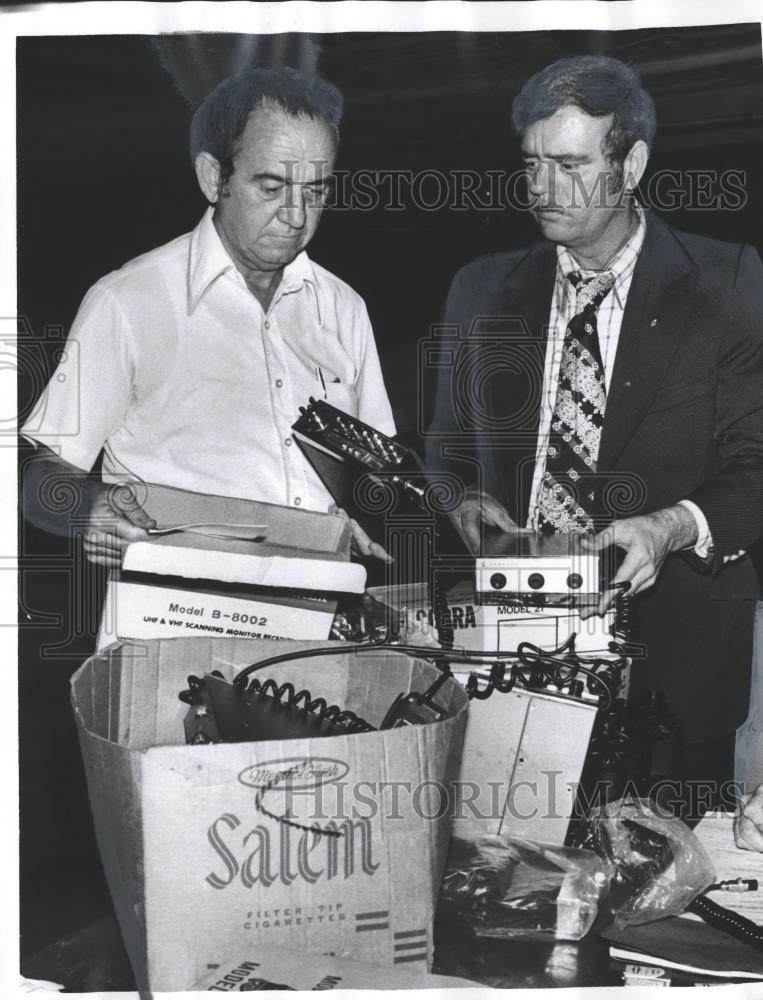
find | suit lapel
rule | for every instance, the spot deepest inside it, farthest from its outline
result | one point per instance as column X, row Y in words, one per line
column 656, row 318
column 527, row 295
column 528, row 289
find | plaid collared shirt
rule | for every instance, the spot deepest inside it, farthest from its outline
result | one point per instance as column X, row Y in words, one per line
column 609, row 321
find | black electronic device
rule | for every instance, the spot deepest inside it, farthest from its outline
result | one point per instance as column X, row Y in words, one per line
column 374, row 478
column 414, row 709
column 223, row 711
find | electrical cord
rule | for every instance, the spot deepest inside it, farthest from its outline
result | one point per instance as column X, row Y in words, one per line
column 285, row 819
column 286, row 694
column 537, row 668
column 728, row 921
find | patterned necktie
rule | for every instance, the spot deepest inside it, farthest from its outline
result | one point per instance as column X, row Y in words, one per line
column 567, row 491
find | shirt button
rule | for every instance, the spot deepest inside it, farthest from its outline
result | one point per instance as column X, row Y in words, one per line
column 287, row 442
column 267, row 325
column 297, row 501
column 279, row 383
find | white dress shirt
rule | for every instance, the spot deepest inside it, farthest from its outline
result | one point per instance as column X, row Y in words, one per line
column 185, row 380
column 609, row 322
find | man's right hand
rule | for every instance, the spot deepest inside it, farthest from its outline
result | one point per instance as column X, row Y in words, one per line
column 480, row 509
column 116, row 519
column 748, row 822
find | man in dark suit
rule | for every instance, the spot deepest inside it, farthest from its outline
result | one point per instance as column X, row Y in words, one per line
column 608, row 382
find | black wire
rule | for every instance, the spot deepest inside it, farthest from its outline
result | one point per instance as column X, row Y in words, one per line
column 424, row 652
column 309, row 828
column 729, row 921
column 287, row 694
column 554, row 659
column 340, row 649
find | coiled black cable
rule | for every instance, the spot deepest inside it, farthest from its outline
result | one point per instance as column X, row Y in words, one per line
column 535, row 670
column 623, row 615
column 287, row 694
column 538, row 669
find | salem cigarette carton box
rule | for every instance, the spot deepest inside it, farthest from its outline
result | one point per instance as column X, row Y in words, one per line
column 216, row 575
column 333, row 844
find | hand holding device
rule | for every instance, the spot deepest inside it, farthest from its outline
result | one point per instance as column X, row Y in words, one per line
column 647, row 541
column 479, row 511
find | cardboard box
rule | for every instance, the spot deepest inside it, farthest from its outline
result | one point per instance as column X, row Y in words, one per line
column 197, row 856
column 262, row 968
column 190, row 584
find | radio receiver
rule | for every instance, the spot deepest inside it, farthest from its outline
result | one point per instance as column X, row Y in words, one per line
column 378, row 480
column 553, row 571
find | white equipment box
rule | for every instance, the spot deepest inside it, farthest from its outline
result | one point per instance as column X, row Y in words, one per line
column 549, row 570
column 522, row 759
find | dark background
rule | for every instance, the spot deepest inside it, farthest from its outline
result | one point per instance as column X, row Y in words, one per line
column 103, row 175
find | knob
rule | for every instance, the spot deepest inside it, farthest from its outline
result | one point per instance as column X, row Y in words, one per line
column 497, row 581
column 574, row 581
column 535, row 581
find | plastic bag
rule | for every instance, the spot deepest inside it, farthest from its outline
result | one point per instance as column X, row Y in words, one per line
column 507, row 888
column 660, row 866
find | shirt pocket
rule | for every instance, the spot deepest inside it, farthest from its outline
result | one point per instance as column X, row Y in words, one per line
column 343, row 397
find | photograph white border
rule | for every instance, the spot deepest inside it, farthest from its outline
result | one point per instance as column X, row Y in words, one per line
column 238, row 16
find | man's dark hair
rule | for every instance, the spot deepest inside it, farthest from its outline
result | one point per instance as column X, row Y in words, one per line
column 599, row 86
column 219, row 121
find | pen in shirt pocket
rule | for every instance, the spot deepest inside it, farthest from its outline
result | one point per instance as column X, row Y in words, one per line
column 322, row 380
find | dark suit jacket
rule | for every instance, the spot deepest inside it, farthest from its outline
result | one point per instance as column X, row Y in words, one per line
column 684, row 419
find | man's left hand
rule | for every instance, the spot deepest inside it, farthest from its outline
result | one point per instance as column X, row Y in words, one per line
column 647, row 541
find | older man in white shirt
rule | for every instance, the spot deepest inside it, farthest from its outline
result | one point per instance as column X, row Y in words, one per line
column 195, row 357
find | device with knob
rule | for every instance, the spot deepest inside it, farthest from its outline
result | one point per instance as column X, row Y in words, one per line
column 524, row 567
column 382, row 484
